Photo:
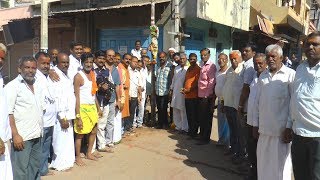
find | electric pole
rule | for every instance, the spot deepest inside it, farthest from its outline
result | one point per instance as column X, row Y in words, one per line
column 44, row 26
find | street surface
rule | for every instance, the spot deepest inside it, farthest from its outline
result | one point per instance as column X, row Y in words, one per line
column 157, row 154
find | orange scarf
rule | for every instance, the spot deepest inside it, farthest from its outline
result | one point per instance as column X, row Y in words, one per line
column 94, row 83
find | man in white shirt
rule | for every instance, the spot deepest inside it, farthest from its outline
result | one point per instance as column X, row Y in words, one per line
column 137, row 50
column 231, row 95
column 271, row 115
column 135, row 90
column 178, row 101
column 63, row 139
column 143, row 75
column 25, row 99
column 260, row 65
column 76, row 50
column 49, row 118
column 5, row 131
column 223, row 127
column 305, row 113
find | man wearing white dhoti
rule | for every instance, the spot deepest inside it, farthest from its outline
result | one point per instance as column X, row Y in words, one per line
column 271, row 115
column 63, row 141
column 178, row 100
column 5, row 131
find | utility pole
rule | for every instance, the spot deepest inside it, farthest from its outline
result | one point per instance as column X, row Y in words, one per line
column 177, row 34
column 44, row 26
column 153, row 88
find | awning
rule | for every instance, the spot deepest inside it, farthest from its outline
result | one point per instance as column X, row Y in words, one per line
column 265, row 25
column 104, row 6
column 14, row 13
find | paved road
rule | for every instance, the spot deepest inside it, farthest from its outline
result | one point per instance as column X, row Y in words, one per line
column 157, row 154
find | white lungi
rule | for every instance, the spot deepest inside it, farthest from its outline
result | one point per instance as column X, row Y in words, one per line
column 63, row 147
column 273, row 158
column 117, row 134
column 180, row 119
column 5, row 165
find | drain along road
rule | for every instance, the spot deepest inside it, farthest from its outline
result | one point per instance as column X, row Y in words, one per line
column 157, row 154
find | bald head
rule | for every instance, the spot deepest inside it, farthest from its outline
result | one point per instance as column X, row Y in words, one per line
column 63, row 62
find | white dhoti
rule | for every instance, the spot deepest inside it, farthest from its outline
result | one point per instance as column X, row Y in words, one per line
column 117, row 135
column 180, row 119
column 273, row 158
column 5, row 165
column 63, row 147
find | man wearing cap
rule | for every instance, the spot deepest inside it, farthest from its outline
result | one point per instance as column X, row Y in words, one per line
column 5, row 132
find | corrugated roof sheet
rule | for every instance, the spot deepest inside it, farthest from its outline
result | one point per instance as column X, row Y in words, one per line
column 14, row 13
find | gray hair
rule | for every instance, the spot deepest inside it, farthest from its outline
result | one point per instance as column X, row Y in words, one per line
column 24, row 59
column 236, row 51
column 3, row 48
column 183, row 54
column 258, row 55
column 275, row 47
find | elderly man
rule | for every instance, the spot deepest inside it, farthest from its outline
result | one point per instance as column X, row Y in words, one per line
column 206, row 83
column 178, row 100
column 305, row 113
column 223, row 128
column 49, row 118
column 63, row 140
column 260, row 65
column 231, row 95
column 5, row 133
column 26, row 105
column 53, row 56
column 271, row 116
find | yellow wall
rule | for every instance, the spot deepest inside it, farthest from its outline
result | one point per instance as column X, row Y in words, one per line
column 279, row 15
column 233, row 13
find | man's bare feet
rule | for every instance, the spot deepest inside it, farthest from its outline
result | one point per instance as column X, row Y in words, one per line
column 97, row 154
column 79, row 161
column 90, row 156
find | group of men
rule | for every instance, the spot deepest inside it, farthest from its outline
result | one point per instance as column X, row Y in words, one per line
column 267, row 112
column 62, row 108
column 86, row 102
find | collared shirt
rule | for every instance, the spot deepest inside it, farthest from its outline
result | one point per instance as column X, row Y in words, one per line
column 248, row 71
column 305, row 101
column 233, row 86
column 207, row 79
column 251, row 99
column 220, row 80
column 135, row 82
column 26, row 107
column 101, row 74
column 5, row 133
column 163, row 81
column 192, row 77
column 49, row 117
column 74, row 66
column 66, row 99
column 271, row 113
column 143, row 76
column 136, row 53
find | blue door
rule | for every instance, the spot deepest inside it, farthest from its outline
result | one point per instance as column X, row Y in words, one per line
column 195, row 42
column 124, row 38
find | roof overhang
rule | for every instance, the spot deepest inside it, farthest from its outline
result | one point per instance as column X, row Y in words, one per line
column 10, row 14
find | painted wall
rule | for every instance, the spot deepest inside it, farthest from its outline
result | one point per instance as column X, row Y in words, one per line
column 233, row 13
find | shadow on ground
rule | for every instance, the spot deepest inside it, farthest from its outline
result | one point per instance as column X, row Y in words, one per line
column 205, row 158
